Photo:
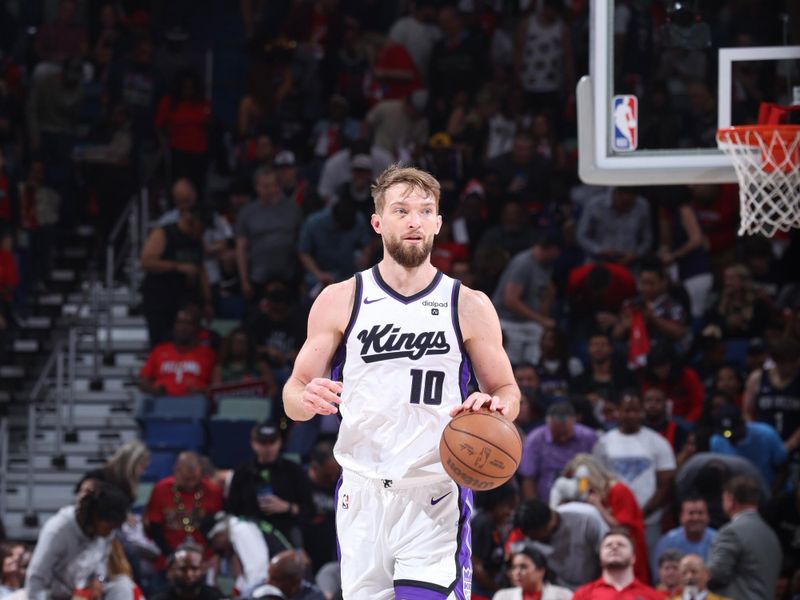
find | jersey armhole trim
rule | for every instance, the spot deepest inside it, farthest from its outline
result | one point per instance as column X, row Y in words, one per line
column 454, row 315
column 355, row 309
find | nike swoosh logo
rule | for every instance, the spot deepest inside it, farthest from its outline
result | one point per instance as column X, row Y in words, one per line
column 435, row 501
column 368, row 301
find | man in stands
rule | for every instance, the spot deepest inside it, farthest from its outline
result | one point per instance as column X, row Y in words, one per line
column 179, row 504
column 185, row 576
column 617, row 581
column 694, row 536
column 183, row 366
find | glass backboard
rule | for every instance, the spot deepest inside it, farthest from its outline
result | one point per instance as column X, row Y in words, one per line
column 665, row 74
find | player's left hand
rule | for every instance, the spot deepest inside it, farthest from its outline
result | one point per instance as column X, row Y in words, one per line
column 478, row 400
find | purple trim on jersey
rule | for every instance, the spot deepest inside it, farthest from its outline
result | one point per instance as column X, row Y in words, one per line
column 464, row 549
column 336, row 510
column 464, row 369
column 399, row 297
column 337, row 364
column 410, row 592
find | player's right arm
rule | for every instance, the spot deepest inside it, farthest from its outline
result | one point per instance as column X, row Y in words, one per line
column 308, row 392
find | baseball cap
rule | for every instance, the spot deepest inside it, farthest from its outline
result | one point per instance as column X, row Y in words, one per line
column 727, row 421
column 440, row 141
column 284, row 158
column 265, row 433
column 361, row 161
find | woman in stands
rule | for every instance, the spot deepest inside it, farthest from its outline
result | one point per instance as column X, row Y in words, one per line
column 527, row 569
column 124, row 470
column 74, row 545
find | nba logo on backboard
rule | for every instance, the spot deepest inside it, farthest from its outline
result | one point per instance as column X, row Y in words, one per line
column 626, row 123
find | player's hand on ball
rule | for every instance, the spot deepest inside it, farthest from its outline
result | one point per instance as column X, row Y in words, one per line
column 479, row 400
column 321, row 396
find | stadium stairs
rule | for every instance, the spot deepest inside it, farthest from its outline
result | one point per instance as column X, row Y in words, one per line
column 77, row 426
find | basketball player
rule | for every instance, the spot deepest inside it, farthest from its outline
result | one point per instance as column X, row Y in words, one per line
column 398, row 341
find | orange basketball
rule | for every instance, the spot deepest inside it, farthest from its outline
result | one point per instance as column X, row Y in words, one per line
column 480, row 450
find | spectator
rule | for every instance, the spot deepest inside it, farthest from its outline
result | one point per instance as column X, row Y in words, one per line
column 183, row 366
column 642, row 459
column 524, row 298
column 74, row 544
column 120, row 584
column 740, row 312
column 669, row 576
column 266, row 234
column 705, row 475
column 513, row 234
column 12, row 576
column 336, row 131
column 184, row 119
column 418, row 33
column 287, row 573
column 357, row 188
column 241, row 540
column 543, row 57
column 488, row 529
column 680, row 384
column 745, row 556
column 693, row 536
column 335, row 242
column 172, row 259
column 782, row 513
column 556, row 368
column 657, row 417
column 605, row 378
column 616, row 228
column 185, row 572
column 63, row 38
column 617, row 581
column 548, row 449
column 39, row 213
column 238, row 362
column 178, row 505
column 9, row 279
column 684, row 246
column 459, row 60
column 278, row 328
column 772, row 394
column 573, row 537
column 757, row 442
column 526, row 376
column 595, row 292
column 616, row 504
column 399, row 127
column 319, row 531
column 664, row 316
column 694, row 577
column 124, row 469
column 530, row 576
column 728, row 379
column 271, row 490
column 520, row 174
column 335, row 171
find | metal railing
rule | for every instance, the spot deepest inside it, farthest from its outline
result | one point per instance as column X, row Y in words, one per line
column 62, row 361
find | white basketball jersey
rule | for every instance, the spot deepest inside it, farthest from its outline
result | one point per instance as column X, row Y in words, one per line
column 403, row 367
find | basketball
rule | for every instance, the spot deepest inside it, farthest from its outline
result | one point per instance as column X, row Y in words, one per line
column 480, row 449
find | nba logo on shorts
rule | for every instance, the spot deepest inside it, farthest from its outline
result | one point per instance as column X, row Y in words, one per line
column 626, row 123
column 345, row 501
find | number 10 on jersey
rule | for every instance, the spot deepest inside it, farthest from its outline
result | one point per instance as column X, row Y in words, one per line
column 431, row 392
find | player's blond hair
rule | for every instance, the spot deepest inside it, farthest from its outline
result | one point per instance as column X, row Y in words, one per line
column 413, row 179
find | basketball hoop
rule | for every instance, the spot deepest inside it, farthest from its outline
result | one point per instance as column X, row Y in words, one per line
column 767, row 163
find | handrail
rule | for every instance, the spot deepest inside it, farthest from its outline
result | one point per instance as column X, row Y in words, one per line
column 44, row 374
column 3, row 465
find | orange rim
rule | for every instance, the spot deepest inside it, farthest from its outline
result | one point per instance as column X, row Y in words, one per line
column 743, row 132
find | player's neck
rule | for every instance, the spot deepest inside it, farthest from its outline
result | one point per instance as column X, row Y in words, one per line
column 406, row 281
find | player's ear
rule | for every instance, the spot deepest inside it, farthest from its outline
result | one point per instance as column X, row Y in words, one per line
column 375, row 221
column 438, row 223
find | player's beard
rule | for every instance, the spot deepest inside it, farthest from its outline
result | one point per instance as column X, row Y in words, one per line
column 408, row 256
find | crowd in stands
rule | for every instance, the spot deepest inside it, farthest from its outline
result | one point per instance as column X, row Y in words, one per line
column 657, row 353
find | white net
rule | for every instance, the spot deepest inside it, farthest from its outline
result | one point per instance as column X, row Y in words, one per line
column 766, row 163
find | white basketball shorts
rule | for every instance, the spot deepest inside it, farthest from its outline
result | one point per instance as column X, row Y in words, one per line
column 403, row 540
